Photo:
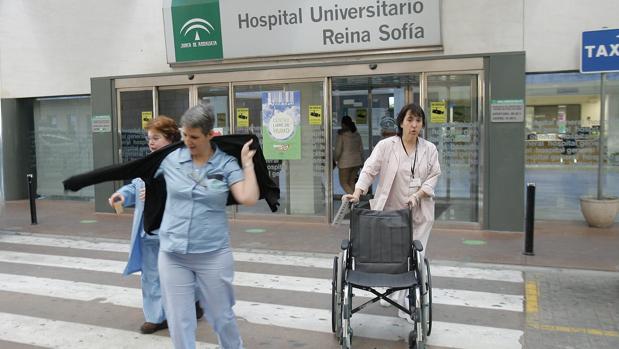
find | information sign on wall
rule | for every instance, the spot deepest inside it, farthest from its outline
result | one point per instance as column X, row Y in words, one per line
column 101, row 123
column 507, row 110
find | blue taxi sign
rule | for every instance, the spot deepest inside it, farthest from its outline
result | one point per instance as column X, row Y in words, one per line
column 599, row 51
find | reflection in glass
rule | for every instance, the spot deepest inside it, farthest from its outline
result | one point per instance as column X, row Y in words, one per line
column 136, row 109
column 63, row 140
column 562, row 132
column 173, row 102
column 217, row 98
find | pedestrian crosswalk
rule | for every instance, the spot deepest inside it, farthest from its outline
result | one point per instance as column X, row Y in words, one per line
column 282, row 294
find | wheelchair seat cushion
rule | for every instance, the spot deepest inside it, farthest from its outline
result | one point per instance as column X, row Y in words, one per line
column 360, row 278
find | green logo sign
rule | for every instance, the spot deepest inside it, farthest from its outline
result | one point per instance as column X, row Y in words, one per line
column 197, row 30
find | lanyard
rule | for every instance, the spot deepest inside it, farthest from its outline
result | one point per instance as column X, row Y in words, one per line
column 414, row 161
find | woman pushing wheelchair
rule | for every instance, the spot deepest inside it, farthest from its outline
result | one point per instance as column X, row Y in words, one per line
column 408, row 170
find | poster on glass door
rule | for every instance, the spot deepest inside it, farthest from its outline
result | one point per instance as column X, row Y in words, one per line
column 281, row 125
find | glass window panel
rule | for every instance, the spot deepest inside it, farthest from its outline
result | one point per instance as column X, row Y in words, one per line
column 611, row 187
column 453, row 125
column 301, row 181
column 562, row 129
column 217, row 97
column 173, row 102
column 134, row 106
column 63, row 140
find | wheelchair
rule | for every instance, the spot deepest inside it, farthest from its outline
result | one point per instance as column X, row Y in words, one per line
column 380, row 253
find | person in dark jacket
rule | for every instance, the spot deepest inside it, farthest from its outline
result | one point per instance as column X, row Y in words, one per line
column 144, row 248
column 145, row 168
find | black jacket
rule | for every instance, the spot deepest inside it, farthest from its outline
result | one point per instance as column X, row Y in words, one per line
column 146, row 167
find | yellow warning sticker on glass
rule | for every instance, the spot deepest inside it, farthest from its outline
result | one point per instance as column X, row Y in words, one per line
column 242, row 117
column 315, row 115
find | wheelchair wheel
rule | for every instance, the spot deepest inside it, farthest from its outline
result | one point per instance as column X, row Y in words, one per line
column 346, row 340
column 337, row 294
column 420, row 302
column 336, row 310
column 428, row 297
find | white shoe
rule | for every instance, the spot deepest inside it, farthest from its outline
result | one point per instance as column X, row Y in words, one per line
column 406, row 317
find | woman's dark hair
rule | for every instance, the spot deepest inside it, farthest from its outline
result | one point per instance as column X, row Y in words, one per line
column 199, row 116
column 347, row 125
column 166, row 126
column 416, row 110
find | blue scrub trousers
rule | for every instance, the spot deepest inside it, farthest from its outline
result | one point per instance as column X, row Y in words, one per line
column 151, row 288
column 213, row 273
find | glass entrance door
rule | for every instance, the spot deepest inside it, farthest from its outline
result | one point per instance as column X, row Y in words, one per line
column 288, row 120
column 452, row 111
column 372, row 102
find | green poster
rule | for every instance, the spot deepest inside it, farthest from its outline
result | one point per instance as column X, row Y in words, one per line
column 196, row 28
column 281, row 125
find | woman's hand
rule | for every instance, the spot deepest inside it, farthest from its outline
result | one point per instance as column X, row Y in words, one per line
column 116, row 197
column 246, row 192
column 354, row 197
column 247, row 155
column 413, row 200
column 142, row 195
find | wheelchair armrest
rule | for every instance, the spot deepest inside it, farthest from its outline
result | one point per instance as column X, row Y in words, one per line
column 417, row 246
column 345, row 244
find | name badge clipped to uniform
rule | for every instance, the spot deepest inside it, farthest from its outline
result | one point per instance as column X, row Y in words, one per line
column 415, row 183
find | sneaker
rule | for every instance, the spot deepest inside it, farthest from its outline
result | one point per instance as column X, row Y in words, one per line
column 149, row 327
column 199, row 311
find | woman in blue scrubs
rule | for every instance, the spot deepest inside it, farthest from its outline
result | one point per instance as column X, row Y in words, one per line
column 195, row 238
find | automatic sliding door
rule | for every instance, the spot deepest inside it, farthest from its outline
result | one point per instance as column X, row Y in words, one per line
column 452, row 112
column 373, row 103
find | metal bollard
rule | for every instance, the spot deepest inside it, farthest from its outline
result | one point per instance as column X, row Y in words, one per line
column 529, row 220
column 33, row 206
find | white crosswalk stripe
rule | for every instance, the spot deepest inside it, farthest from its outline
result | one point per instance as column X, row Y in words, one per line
column 70, row 335
column 289, row 283
column 380, row 327
column 310, row 260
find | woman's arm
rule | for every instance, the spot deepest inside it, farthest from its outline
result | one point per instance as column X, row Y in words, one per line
column 126, row 195
column 427, row 187
column 246, row 192
column 338, row 148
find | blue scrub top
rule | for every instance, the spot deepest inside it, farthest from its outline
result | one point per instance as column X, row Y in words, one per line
column 195, row 219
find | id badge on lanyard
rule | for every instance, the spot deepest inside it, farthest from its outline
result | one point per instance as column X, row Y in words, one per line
column 415, row 183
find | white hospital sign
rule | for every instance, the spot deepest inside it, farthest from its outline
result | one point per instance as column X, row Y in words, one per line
column 290, row 27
